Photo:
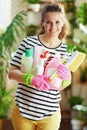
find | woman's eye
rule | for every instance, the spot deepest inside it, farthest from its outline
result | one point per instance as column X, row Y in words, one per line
column 48, row 22
column 57, row 22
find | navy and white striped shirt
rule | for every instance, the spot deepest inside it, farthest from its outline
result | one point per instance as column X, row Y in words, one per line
column 36, row 104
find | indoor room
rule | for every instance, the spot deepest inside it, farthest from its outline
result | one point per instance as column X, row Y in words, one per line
column 21, row 23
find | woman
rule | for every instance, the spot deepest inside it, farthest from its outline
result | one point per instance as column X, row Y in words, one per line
column 36, row 109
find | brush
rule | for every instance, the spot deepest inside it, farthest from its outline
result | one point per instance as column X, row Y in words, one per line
column 75, row 60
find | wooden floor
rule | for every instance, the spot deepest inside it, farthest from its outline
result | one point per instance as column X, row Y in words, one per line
column 65, row 124
column 66, row 120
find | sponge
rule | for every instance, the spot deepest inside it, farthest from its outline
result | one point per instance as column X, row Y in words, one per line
column 75, row 60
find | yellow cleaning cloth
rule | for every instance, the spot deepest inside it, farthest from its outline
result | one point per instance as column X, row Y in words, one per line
column 76, row 60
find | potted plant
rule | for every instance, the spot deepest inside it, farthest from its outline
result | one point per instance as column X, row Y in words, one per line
column 34, row 5
column 81, row 14
column 74, row 100
column 69, row 5
column 33, row 1
column 76, row 122
column 81, row 112
column 81, row 116
column 6, row 42
column 78, row 22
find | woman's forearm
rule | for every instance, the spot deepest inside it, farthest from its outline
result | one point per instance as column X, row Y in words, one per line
column 16, row 74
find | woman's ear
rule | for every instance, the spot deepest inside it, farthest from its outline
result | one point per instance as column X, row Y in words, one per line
column 42, row 28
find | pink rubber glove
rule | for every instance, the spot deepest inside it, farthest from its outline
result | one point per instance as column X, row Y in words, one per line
column 63, row 72
column 40, row 82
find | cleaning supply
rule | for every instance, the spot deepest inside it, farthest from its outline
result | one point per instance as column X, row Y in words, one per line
column 75, row 60
column 54, row 66
column 39, row 68
column 56, row 83
column 51, row 66
column 61, row 74
column 27, row 61
column 39, row 81
column 65, row 83
column 37, row 53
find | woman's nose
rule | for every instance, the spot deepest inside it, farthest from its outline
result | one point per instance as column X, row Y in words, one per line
column 53, row 25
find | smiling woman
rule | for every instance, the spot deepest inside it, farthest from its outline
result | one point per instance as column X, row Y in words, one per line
column 52, row 24
column 40, row 109
column 55, row 26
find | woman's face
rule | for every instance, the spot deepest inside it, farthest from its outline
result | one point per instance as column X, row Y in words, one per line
column 53, row 23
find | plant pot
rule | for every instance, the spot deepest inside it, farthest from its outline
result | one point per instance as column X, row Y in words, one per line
column 34, row 7
column 69, row 6
column 85, row 127
column 77, row 124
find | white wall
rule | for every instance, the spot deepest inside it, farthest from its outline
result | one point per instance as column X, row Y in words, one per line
column 8, row 9
column 5, row 13
column 33, row 18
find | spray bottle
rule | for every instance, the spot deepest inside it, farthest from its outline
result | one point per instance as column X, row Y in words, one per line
column 27, row 61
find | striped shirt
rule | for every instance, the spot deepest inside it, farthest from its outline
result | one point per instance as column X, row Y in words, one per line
column 36, row 104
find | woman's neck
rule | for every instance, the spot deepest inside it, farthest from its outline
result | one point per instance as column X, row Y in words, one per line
column 50, row 41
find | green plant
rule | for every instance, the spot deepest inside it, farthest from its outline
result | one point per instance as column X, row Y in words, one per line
column 33, row 1
column 2, row 31
column 74, row 100
column 7, row 40
column 80, row 45
column 9, row 36
column 32, row 30
column 69, row 5
column 81, row 14
column 80, row 18
column 5, row 101
column 78, row 108
column 81, row 112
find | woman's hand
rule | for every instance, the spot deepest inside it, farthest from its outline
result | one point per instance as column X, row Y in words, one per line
column 63, row 72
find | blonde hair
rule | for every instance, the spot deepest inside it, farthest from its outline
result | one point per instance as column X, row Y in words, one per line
column 52, row 7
